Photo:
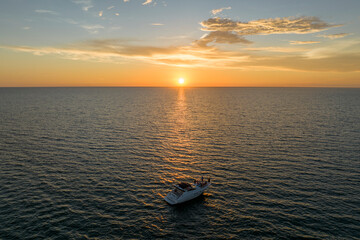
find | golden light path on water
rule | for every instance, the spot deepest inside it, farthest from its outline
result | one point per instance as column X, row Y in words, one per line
column 178, row 143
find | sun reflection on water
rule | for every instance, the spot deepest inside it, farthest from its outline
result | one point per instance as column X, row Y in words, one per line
column 178, row 145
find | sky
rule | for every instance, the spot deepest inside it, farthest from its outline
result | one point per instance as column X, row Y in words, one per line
column 207, row 43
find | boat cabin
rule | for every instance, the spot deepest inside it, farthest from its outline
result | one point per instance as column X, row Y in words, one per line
column 181, row 188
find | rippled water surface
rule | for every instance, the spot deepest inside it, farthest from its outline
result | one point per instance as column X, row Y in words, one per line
column 95, row 163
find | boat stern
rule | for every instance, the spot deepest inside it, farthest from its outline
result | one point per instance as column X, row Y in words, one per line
column 171, row 199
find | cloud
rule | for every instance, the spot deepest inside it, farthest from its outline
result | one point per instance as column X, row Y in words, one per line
column 115, row 28
column 336, row 56
column 147, row 2
column 337, row 63
column 111, row 7
column 92, row 28
column 303, row 42
column 46, row 11
column 100, row 13
column 343, row 57
column 344, row 47
column 70, row 21
column 115, row 50
column 278, row 49
column 174, row 37
column 229, row 31
column 157, row 24
column 299, row 25
column 216, row 11
column 334, row 36
column 86, row 4
column 221, row 37
column 144, row 3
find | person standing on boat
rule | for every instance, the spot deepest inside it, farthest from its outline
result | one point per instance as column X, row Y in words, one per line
column 202, row 181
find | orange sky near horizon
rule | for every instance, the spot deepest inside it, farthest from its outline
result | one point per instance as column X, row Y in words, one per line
column 50, row 71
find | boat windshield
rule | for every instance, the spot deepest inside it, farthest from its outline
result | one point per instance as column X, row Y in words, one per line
column 178, row 192
column 184, row 185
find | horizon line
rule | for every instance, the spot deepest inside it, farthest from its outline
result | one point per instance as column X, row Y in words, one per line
column 354, row 87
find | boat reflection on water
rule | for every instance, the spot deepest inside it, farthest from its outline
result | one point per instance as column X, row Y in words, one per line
column 184, row 192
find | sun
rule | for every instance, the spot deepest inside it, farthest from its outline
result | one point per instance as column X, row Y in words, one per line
column 181, row 81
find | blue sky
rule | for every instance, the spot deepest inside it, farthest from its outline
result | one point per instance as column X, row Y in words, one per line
column 46, row 22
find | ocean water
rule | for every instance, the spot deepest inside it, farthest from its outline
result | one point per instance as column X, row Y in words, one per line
column 95, row 163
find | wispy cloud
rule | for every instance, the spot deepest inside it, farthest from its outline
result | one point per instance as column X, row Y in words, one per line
column 144, row 3
column 303, row 42
column 221, row 37
column 46, row 11
column 147, row 2
column 278, row 49
column 86, row 4
column 69, row 21
column 344, row 47
column 157, row 24
column 174, row 37
column 92, row 28
column 328, row 58
column 112, row 50
column 100, row 13
column 111, row 7
column 115, row 28
column 216, row 11
column 335, row 36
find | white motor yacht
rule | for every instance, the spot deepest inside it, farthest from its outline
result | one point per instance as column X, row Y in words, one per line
column 184, row 192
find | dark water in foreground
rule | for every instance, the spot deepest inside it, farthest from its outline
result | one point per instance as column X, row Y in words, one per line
column 95, row 163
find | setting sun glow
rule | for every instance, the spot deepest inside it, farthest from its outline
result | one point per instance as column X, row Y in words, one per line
column 181, row 81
